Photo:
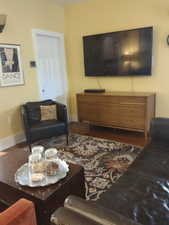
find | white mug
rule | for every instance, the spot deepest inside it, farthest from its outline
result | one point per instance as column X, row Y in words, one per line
column 37, row 149
column 51, row 153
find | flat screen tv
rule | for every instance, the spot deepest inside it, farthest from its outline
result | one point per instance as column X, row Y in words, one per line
column 121, row 53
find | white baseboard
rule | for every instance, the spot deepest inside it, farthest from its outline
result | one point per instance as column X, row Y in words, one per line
column 73, row 118
column 11, row 141
column 20, row 137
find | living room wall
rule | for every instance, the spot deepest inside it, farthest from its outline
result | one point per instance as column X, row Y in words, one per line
column 22, row 17
column 98, row 16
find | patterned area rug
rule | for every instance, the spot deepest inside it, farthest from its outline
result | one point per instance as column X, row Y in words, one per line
column 104, row 160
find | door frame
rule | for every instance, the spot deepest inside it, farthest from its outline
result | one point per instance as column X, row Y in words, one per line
column 59, row 35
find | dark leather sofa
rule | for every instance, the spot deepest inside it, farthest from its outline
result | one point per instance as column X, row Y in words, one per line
column 140, row 196
column 35, row 129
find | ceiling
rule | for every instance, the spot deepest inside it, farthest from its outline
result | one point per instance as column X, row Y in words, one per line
column 68, row 2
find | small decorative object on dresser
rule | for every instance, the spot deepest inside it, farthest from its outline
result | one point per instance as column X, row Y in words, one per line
column 124, row 110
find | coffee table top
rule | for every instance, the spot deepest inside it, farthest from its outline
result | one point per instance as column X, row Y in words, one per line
column 9, row 164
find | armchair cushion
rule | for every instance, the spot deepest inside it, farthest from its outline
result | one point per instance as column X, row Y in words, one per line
column 33, row 110
column 48, row 112
column 46, row 128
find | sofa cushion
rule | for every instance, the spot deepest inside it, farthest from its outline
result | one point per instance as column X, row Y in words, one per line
column 154, row 160
column 140, row 197
column 142, row 193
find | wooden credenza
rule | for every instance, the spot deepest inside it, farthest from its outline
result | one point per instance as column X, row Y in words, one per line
column 124, row 110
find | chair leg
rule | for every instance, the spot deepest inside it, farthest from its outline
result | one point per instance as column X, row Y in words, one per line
column 30, row 149
column 67, row 139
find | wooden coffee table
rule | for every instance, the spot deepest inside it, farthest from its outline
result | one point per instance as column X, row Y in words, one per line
column 46, row 199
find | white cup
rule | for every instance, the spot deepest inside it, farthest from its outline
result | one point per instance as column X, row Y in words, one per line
column 34, row 160
column 51, row 153
column 38, row 149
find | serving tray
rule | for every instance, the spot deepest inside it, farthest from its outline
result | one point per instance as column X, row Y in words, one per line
column 23, row 175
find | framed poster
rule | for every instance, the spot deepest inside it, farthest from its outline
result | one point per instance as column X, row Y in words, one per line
column 11, row 73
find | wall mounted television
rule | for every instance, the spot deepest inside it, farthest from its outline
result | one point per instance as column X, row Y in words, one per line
column 121, row 53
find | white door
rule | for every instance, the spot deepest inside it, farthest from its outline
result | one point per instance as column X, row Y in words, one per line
column 50, row 60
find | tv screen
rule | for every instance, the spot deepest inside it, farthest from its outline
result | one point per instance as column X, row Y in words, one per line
column 120, row 53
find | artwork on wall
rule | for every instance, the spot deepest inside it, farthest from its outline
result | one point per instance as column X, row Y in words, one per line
column 11, row 73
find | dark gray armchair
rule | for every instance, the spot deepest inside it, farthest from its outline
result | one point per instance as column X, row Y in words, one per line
column 35, row 129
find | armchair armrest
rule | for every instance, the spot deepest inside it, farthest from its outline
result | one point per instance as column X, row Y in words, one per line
column 62, row 112
column 159, row 130
column 20, row 213
column 24, row 117
column 25, row 122
column 93, row 212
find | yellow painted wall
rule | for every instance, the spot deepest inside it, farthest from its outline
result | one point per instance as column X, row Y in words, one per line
column 90, row 17
column 99, row 16
column 22, row 17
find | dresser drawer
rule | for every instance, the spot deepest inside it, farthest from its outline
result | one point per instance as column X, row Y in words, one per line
column 131, row 100
column 98, row 99
column 104, row 114
column 132, row 116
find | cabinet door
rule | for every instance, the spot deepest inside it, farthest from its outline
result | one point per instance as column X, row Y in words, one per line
column 132, row 116
column 105, row 114
column 87, row 112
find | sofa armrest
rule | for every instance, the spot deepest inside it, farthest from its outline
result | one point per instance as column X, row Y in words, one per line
column 159, row 130
column 94, row 212
column 65, row 216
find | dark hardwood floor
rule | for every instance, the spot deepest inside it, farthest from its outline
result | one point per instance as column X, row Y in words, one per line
column 129, row 137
